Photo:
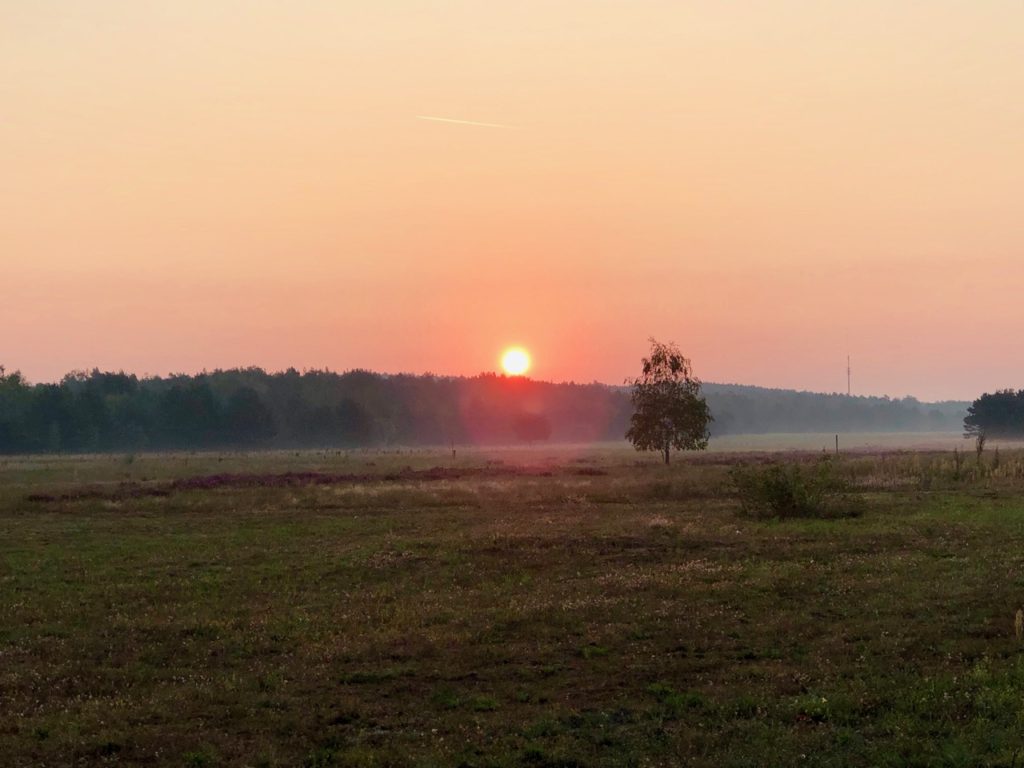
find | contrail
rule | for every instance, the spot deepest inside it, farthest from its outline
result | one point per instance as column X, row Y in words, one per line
column 462, row 122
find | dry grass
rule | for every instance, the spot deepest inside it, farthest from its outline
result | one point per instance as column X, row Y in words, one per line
column 626, row 616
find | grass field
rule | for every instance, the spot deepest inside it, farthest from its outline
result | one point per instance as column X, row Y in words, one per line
column 859, row 442
column 543, row 607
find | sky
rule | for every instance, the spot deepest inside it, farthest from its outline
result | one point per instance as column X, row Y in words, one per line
column 770, row 184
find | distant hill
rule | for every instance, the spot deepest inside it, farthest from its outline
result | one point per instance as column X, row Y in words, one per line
column 744, row 409
column 251, row 408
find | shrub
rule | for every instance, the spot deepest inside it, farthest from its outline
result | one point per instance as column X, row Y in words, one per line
column 792, row 490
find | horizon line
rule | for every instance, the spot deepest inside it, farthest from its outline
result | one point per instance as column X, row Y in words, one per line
column 497, row 374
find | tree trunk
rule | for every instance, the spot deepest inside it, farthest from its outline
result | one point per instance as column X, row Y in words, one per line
column 667, row 449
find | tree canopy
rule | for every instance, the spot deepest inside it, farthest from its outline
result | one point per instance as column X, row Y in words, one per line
column 999, row 414
column 668, row 408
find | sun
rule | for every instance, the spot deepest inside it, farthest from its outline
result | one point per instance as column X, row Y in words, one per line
column 515, row 361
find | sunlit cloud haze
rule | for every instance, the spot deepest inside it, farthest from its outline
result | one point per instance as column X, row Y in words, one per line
column 773, row 185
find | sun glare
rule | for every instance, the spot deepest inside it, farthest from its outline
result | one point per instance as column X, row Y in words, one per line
column 515, row 361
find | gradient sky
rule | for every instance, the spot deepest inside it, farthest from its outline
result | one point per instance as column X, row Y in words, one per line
column 772, row 185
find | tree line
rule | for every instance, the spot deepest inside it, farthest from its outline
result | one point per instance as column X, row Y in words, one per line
column 742, row 409
column 251, row 408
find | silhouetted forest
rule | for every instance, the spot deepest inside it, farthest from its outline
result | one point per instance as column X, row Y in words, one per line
column 996, row 414
column 250, row 408
column 741, row 409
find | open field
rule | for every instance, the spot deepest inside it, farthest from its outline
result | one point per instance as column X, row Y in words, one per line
column 536, row 607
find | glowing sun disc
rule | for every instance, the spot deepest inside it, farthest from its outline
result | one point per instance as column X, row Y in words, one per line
column 515, row 361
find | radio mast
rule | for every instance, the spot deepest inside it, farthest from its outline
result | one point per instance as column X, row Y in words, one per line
column 848, row 376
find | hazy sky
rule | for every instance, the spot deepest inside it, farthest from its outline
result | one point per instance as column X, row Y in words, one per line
column 198, row 183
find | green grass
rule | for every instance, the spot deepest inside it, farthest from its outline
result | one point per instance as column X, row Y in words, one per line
column 624, row 615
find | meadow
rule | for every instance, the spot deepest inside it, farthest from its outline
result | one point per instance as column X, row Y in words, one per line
column 551, row 606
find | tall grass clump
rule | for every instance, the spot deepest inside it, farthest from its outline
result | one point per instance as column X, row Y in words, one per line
column 795, row 490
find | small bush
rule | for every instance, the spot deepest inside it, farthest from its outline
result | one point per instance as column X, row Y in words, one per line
column 446, row 698
column 203, row 758
column 675, row 704
column 792, row 490
column 593, row 651
column 483, row 704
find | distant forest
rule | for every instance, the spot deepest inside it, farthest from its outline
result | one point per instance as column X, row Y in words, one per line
column 250, row 408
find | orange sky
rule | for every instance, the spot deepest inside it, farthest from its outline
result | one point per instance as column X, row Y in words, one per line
column 770, row 184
